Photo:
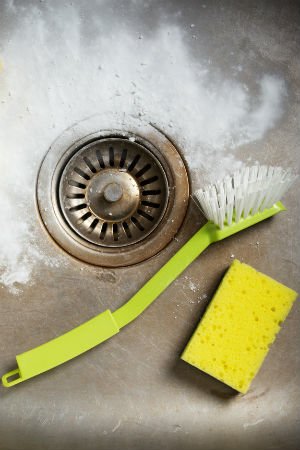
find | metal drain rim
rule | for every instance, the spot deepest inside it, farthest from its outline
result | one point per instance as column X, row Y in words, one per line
column 55, row 224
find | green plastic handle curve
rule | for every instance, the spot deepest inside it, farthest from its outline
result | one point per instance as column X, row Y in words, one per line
column 107, row 324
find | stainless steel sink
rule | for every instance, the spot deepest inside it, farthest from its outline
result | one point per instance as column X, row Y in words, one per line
column 134, row 392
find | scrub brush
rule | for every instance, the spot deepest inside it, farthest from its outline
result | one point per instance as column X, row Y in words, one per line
column 247, row 197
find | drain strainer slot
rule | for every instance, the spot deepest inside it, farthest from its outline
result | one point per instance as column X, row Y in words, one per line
column 113, row 192
column 112, row 198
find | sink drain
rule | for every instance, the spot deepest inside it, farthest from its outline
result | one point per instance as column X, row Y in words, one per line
column 113, row 192
column 113, row 198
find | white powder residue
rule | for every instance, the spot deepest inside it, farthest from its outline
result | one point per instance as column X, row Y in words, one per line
column 193, row 287
column 54, row 75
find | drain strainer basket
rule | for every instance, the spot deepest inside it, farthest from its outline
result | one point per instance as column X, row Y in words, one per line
column 113, row 198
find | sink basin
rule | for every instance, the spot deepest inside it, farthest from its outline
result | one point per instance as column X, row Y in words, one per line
column 222, row 82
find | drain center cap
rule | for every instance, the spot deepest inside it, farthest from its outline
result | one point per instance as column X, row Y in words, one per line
column 113, row 192
column 112, row 195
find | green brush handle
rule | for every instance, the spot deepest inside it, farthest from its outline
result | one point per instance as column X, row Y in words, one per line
column 208, row 234
column 107, row 324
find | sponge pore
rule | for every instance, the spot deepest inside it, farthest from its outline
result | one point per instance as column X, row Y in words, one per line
column 239, row 326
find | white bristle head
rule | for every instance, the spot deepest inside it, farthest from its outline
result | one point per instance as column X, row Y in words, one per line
column 247, row 192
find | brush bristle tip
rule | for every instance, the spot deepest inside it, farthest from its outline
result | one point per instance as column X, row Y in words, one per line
column 247, row 192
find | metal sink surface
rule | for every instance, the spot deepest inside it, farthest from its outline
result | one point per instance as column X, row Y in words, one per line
column 134, row 392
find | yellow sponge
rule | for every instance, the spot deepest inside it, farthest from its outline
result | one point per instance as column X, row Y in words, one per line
column 239, row 326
